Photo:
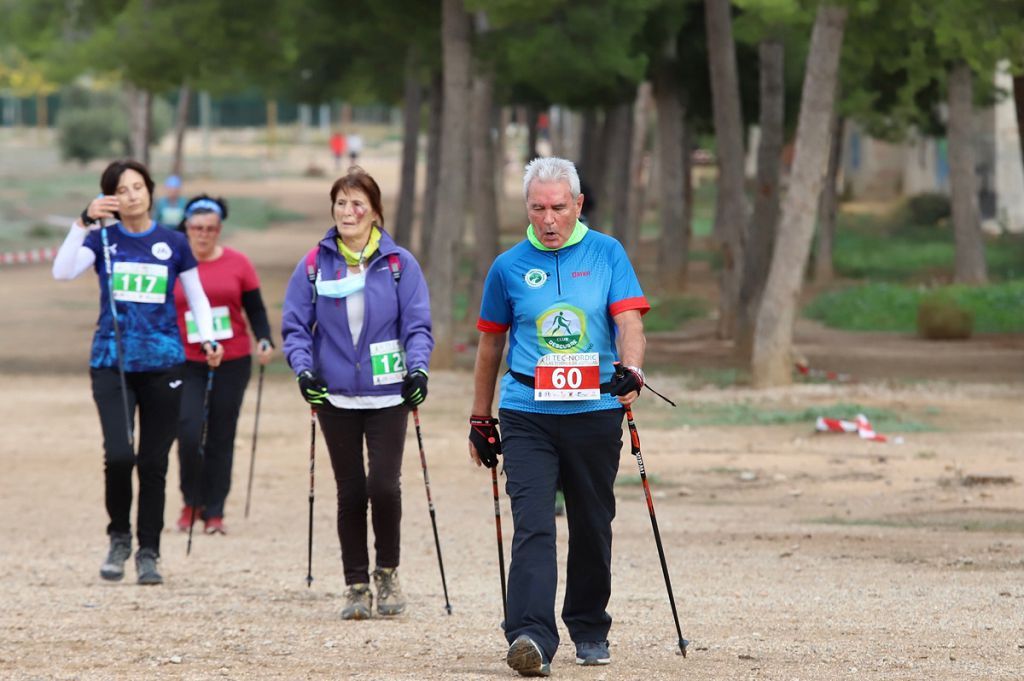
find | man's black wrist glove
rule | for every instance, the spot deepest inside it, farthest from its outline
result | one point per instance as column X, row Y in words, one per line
column 414, row 388
column 483, row 434
column 313, row 389
column 626, row 380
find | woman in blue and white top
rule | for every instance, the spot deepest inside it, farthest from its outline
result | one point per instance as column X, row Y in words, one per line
column 137, row 356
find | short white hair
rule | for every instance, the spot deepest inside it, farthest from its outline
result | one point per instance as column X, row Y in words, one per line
column 551, row 169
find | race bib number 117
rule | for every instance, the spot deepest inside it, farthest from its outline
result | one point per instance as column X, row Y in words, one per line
column 139, row 282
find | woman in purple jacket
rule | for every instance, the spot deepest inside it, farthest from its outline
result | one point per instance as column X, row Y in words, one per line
column 356, row 329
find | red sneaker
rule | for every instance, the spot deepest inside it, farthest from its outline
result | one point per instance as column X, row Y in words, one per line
column 214, row 526
column 185, row 519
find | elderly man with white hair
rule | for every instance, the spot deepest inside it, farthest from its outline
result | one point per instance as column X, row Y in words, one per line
column 570, row 301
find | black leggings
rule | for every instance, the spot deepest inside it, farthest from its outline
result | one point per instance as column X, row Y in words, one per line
column 157, row 395
column 384, row 430
column 229, row 382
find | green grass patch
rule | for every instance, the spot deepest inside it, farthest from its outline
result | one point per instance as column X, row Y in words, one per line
column 252, row 213
column 968, row 520
column 997, row 308
column 749, row 414
column 669, row 313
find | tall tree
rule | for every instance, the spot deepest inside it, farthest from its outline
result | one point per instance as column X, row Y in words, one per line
column 969, row 262
column 828, row 207
column 451, row 205
column 405, row 210
column 773, row 339
column 731, row 201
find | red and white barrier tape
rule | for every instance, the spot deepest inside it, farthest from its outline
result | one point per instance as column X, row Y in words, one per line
column 861, row 426
column 805, row 370
column 34, row 255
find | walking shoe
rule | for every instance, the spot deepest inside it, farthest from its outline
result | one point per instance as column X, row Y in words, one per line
column 525, row 656
column 145, row 566
column 214, row 526
column 185, row 519
column 390, row 599
column 120, row 550
column 358, row 603
column 591, row 653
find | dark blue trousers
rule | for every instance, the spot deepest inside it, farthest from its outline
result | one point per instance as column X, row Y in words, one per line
column 582, row 451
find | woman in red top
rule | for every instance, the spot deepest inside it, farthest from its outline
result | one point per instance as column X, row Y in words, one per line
column 232, row 286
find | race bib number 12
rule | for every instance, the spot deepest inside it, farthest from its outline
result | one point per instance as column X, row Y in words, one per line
column 139, row 282
column 573, row 376
column 388, row 360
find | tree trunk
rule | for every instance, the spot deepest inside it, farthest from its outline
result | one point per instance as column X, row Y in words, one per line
column 613, row 208
column 761, row 235
column 180, row 124
column 673, row 253
column 271, row 127
column 486, row 222
column 731, row 203
column 970, row 247
column 451, row 204
column 824, row 271
column 42, row 115
column 1018, row 97
column 771, row 362
column 531, row 132
column 205, row 122
column 140, row 104
column 590, row 140
column 636, row 196
column 410, row 148
column 434, row 136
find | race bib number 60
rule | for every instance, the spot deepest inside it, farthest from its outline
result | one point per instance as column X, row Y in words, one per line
column 573, row 376
column 138, row 282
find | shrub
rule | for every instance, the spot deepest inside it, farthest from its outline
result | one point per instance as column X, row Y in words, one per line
column 941, row 317
column 928, row 209
column 94, row 124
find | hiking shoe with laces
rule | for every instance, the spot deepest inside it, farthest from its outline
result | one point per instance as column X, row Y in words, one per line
column 358, row 603
column 525, row 656
column 145, row 566
column 591, row 653
column 120, row 550
column 214, row 526
column 390, row 600
column 185, row 519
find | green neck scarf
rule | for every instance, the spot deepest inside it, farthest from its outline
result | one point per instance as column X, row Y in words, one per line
column 352, row 258
column 578, row 232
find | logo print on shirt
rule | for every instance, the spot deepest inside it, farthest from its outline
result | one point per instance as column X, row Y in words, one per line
column 161, row 251
column 174, row 384
column 562, row 329
column 535, row 278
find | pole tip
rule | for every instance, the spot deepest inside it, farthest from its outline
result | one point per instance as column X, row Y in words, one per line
column 448, row 608
column 682, row 646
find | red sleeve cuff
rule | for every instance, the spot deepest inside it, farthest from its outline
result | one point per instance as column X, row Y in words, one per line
column 491, row 327
column 638, row 303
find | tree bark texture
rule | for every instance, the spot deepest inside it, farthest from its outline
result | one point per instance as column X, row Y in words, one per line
column 969, row 261
column 617, row 142
column 140, row 104
column 731, row 202
column 406, row 208
column 771, row 362
column 451, row 201
column 828, row 208
column 532, row 133
column 180, row 125
column 484, row 197
column 1018, row 97
column 673, row 252
column 434, row 136
column 636, row 196
column 761, row 234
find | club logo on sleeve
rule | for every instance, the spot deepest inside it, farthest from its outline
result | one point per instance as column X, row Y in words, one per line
column 535, row 278
column 562, row 329
column 161, row 250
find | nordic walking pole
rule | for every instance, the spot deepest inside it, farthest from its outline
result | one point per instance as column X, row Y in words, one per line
column 202, row 457
column 634, row 438
column 117, row 338
column 312, row 463
column 255, row 432
column 430, row 505
column 501, row 544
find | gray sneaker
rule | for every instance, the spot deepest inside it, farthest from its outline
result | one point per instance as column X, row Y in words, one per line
column 120, row 550
column 358, row 603
column 145, row 566
column 525, row 656
column 390, row 600
column 591, row 653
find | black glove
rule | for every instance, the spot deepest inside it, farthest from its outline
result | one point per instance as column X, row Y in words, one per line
column 626, row 380
column 483, row 434
column 414, row 388
column 313, row 389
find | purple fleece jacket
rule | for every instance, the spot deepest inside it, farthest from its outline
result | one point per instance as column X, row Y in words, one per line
column 317, row 336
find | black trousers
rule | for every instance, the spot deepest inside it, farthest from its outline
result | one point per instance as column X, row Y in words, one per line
column 582, row 451
column 384, row 431
column 214, row 468
column 157, row 397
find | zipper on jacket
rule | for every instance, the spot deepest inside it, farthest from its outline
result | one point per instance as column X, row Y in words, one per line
column 558, row 275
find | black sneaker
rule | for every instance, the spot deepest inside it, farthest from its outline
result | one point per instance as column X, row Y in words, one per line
column 145, row 565
column 120, row 550
column 525, row 656
column 591, row 653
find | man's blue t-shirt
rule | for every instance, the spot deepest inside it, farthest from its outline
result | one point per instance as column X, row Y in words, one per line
column 145, row 267
column 561, row 302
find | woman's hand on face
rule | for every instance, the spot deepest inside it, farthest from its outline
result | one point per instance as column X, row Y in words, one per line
column 264, row 351
column 101, row 207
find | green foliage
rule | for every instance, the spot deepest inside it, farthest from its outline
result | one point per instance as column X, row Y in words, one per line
column 94, row 124
column 941, row 317
column 889, row 307
column 928, row 209
column 670, row 313
column 252, row 213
